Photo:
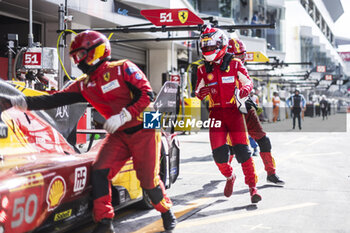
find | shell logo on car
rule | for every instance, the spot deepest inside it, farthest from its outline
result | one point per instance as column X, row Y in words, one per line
column 56, row 192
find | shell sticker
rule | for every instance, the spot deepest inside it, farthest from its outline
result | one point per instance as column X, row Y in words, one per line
column 210, row 76
column 56, row 192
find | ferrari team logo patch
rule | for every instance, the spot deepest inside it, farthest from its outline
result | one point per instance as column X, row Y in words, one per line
column 107, row 76
column 183, row 16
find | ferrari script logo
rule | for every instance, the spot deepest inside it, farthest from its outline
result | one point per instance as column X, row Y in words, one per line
column 183, row 16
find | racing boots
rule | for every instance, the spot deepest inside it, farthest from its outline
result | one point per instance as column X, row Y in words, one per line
column 169, row 220
column 104, row 226
column 255, row 197
column 274, row 179
column 229, row 185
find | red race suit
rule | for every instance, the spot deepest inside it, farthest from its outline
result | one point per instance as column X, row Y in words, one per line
column 221, row 80
column 111, row 87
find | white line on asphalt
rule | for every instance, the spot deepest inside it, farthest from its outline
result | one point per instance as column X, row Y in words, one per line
column 318, row 154
column 157, row 226
column 259, row 226
column 295, row 140
column 212, row 219
column 316, row 141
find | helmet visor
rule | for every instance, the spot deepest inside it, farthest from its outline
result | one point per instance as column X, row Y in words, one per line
column 208, row 45
column 79, row 55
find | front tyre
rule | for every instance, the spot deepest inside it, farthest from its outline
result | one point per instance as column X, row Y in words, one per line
column 145, row 203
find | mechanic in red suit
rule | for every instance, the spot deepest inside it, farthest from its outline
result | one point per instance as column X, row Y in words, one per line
column 219, row 78
column 254, row 126
column 120, row 92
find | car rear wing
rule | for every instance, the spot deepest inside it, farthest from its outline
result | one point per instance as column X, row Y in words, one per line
column 168, row 102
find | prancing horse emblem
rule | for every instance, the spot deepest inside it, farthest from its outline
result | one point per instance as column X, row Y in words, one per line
column 183, row 16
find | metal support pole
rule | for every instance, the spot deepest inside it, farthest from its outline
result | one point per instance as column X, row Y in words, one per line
column 175, row 28
column 61, row 46
column 10, row 57
column 189, row 77
column 30, row 35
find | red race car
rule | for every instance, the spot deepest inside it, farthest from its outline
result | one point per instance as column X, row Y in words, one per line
column 45, row 182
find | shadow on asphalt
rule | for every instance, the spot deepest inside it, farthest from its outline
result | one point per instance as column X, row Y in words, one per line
column 251, row 207
column 123, row 217
column 243, row 191
column 186, row 198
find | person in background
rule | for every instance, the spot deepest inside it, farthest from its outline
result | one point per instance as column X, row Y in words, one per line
column 329, row 108
column 245, row 32
column 324, row 107
column 255, row 129
column 226, row 81
column 317, row 108
column 276, row 106
column 120, row 92
column 254, row 21
column 254, row 98
column 297, row 103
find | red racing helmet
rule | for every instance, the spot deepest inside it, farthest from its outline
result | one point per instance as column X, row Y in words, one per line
column 237, row 47
column 213, row 43
column 89, row 49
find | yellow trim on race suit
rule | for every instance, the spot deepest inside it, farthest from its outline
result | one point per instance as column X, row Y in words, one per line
column 157, row 161
column 116, row 63
column 236, row 59
column 233, row 99
column 82, row 77
column 165, row 204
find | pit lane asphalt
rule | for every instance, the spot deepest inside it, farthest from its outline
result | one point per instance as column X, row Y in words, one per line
column 316, row 197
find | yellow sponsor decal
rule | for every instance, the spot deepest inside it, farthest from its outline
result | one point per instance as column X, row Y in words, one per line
column 62, row 215
column 29, row 181
column 183, row 16
column 56, row 192
column 256, row 57
column 210, row 76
